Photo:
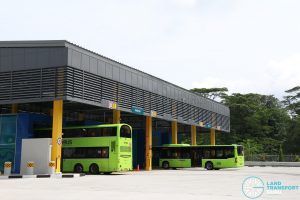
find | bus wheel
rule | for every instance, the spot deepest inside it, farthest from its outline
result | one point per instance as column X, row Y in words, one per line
column 165, row 165
column 94, row 169
column 78, row 168
column 209, row 166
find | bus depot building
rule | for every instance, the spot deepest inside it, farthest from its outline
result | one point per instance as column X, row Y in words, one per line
column 56, row 84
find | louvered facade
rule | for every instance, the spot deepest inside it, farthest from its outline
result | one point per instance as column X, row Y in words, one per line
column 38, row 71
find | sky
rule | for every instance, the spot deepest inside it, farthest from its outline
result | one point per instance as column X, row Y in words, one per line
column 248, row 46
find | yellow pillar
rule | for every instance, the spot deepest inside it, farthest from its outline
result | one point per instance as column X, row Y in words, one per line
column 14, row 108
column 174, row 132
column 148, row 143
column 212, row 136
column 81, row 116
column 57, row 133
column 193, row 134
column 116, row 116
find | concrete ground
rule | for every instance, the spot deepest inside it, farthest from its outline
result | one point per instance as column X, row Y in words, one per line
column 183, row 184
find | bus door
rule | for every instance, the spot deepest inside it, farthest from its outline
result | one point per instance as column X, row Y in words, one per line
column 196, row 156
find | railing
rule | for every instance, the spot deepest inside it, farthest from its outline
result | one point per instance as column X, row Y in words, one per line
column 274, row 158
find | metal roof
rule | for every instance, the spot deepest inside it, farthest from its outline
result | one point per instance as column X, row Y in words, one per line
column 60, row 58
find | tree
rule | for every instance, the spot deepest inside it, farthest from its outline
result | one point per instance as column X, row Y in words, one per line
column 211, row 93
column 261, row 118
column 251, row 147
column 293, row 101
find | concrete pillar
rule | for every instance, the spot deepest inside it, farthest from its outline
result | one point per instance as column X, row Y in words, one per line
column 193, row 135
column 148, row 143
column 212, row 136
column 116, row 116
column 57, row 133
column 174, row 132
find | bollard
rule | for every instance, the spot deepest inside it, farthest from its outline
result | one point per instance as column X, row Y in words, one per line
column 30, row 168
column 51, row 168
column 7, row 168
column 138, row 167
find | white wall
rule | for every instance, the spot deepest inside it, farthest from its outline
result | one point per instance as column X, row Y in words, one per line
column 37, row 150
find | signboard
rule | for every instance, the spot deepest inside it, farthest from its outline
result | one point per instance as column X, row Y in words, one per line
column 153, row 113
column 112, row 105
column 137, row 110
column 201, row 124
column 208, row 125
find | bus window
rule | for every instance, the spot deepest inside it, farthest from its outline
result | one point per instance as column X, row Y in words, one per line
column 212, row 153
column 125, row 131
column 229, row 152
column 206, row 153
column 174, row 153
column 85, row 152
column 105, row 152
column 185, row 154
column 219, row 153
column 240, row 150
column 76, row 132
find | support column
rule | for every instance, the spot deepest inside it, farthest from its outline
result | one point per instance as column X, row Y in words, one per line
column 57, row 133
column 174, row 132
column 148, row 143
column 14, row 108
column 213, row 136
column 116, row 116
column 81, row 116
column 193, row 135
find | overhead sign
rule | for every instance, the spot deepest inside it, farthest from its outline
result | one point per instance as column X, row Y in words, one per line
column 137, row 110
column 112, row 105
column 208, row 125
column 153, row 113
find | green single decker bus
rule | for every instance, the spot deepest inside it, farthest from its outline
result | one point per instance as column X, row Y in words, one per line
column 206, row 156
column 96, row 149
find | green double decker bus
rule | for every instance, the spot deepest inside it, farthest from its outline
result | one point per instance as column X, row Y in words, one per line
column 97, row 148
column 206, row 156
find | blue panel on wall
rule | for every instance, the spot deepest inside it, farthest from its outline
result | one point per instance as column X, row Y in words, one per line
column 166, row 137
column 138, row 149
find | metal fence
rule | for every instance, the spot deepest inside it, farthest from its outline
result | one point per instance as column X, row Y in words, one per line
column 274, row 158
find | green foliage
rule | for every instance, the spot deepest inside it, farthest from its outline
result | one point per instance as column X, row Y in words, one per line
column 211, row 93
column 262, row 123
column 280, row 154
column 292, row 101
column 251, row 147
column 260, row 118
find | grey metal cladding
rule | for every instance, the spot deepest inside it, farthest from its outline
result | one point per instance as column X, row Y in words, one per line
column 134, row 79
column 85, row 64
column 108, row 70
column 122, row 76
column 145, row 83
column 140, row 81
column 116, row 73
column 93, row 65
column 76, row 59
column 101, row 68
column 32, row 58
column 40, row 54
column 128, row 77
